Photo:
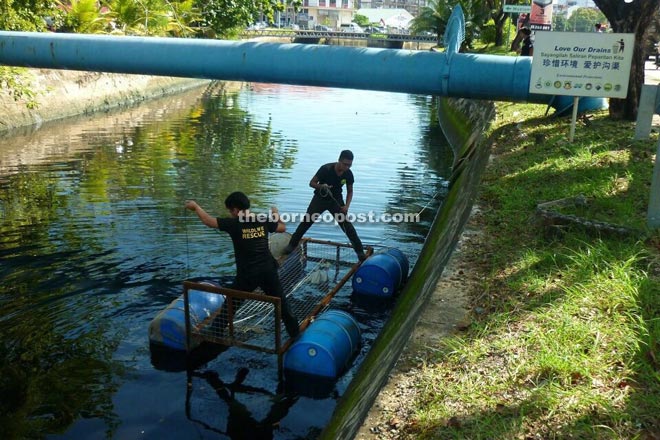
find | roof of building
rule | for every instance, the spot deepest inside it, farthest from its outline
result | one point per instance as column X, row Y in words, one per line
column 391, row 17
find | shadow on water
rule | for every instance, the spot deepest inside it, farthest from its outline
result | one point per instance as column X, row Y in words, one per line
column 165, row 359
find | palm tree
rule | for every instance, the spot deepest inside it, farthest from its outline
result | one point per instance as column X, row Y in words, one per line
column 435, row 16
column 184, row 18
column 142, row 17
column 83, row 16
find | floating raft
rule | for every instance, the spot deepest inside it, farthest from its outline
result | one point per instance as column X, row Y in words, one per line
column 311, row 276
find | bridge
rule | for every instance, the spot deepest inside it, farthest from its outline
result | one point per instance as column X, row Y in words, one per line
column 312, row 34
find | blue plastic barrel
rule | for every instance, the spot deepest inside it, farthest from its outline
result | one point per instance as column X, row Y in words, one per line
column 382, row 274
column 168, row 328
column 326, row 346
column 403, row 262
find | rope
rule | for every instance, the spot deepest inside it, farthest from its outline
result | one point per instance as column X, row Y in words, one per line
column 324, row 191
column 386, row 238
column 427, row 204
column 185, row 227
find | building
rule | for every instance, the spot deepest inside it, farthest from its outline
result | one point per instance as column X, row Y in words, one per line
column 390, row 18
column 333, row 13
column 412, row 6
column 326, row 12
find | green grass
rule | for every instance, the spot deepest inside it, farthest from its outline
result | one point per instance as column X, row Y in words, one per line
column 567, row 341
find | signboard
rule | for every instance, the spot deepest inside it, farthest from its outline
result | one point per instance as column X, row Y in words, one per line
column 540, row 18
column 518, row 9
column 582, row 64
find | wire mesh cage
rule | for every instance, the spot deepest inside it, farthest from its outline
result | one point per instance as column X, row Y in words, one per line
column 311, row 276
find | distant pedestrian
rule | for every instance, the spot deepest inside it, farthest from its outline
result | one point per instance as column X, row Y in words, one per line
column 523, row 43
column 527, row 47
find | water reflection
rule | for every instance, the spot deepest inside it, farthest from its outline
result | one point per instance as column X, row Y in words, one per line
column 239, row 422
column 94, row 242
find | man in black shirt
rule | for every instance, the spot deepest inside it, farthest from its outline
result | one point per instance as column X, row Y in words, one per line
column 527, row 48
column 327, row 183
column 255, row 265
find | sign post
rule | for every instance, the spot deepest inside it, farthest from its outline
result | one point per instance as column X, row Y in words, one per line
column 517, row 9
column 579, row 64
column 653, row 216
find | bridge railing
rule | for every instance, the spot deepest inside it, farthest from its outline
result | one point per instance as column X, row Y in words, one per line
column 290, row 33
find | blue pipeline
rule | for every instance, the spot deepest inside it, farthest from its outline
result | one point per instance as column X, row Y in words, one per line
column 472, row 76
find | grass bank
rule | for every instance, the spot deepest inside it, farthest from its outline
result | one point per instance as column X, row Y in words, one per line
column 564, row 340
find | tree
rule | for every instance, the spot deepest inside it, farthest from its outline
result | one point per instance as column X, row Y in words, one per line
column 583, row 20
column 361, row 20
column 141, row 17
column 634, row 17
column 294, row 6
column 83, row 16
column 434, row 17
column 26, row 15
column 221, row 16
column 559, row 23
column 495, row 8
column 185, row 17
column 153, row 17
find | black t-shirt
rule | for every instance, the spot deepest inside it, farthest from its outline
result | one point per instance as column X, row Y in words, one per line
column 250, row 240
column 327, row 174
column 526, row 46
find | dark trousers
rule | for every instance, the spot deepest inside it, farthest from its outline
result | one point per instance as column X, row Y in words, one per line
column 269, row 281
column 319, row 205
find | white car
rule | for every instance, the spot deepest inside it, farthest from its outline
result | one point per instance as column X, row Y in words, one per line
column 350, row 27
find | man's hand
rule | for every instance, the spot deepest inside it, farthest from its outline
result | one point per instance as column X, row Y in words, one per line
column 275, row 213
column 208, row 220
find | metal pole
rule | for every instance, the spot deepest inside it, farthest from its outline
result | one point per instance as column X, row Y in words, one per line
column 576, row 100
column 653, row 218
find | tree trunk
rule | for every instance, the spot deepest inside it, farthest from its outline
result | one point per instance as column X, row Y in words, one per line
column 627, row 108
column 634, row 18
column 500, row 21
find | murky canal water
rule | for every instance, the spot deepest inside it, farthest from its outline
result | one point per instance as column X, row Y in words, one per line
column 94, row 242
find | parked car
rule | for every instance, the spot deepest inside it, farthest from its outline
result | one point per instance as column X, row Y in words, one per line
column 258, row 26
column 322, row 27
column 375, row 30
column 350, row 27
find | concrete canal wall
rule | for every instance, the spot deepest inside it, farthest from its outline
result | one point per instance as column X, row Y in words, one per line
column 63, row 93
